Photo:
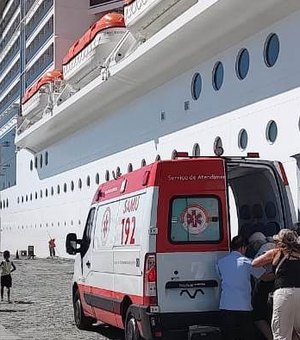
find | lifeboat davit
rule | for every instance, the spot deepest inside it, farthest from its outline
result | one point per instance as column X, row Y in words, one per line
column 37, row 97
column 143, row 18
column 82, row 62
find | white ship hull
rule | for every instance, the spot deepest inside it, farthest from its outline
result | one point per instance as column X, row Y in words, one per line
column 155, row 116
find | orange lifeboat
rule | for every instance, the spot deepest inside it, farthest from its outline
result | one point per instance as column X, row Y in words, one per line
column 81, row 63
column 36, row 98
column 144, row 18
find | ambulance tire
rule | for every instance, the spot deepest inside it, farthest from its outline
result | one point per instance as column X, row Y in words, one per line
column 81, row 321
column 131, row 328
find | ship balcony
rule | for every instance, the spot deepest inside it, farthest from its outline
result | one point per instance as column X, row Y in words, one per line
column 175, row 48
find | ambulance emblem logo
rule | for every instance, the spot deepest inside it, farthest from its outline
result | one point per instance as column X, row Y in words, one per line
column 194, row 219
column 105, row 226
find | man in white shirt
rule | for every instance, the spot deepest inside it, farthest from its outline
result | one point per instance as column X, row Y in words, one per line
column 235, row 271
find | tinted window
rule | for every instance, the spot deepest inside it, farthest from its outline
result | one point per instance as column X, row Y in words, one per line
column 196, row 86
column 195, row 219
column 218, row 75
column 242, row 64
column 271, row 50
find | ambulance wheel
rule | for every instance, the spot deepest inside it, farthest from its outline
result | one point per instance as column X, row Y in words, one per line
column 81, row 321
column 131, row 329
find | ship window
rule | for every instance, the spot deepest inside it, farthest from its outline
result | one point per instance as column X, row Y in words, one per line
column 31, row 165
column 218, row 146
column 65, row 187
column 79, row 183
column 143, row 162
column 72, row 185
column 174, row 154
column 242, row 64
column 129, row 167
column 107, row 175
column 196, row 150
column 218, row 76
column 196, row 86
column 271, row 132
column 58, row 189
column 46, row 158
column 88, row 181
column 41, row 161
column 35, row 162
column 157, row 158
column 271, row 50
column 243, row 139
column 97, row 179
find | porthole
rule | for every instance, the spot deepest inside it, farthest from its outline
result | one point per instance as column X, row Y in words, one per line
column 174, row 154
column 72, row 186
column 271, row 50
column 242, row 64
column 41, row 161
column 97, row 179
column 271, row 132
column 88, row 181
column 107, row 175
column 196, row 86
column 46, row 158
column 65, row 187
column 218, row 76
column 218, row 146
column 31, row 165
column 143, row 162
column 58, row 189
column 196, row 150
column 157, row 158
column 79, row 183
column 243, row 139
column 129, row 167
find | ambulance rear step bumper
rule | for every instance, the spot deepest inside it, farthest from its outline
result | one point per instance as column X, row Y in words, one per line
column 177, row 326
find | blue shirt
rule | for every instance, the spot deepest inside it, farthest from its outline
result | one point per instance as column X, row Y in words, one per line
column 235, row 271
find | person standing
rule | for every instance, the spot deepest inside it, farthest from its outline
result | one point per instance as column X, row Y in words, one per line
column 235, row 271
column 285, row 258
column 7, row 267
column 52, row 247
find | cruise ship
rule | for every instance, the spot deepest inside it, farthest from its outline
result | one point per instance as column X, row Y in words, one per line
column 90, row 90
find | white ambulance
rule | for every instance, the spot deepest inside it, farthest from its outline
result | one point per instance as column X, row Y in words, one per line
column 146, row 260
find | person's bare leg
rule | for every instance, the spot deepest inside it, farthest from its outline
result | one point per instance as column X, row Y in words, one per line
column 264, row 328
column 8, row 295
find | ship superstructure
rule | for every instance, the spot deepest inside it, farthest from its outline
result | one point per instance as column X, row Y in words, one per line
column 140, row 81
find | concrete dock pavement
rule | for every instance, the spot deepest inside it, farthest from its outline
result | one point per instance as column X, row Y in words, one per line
column 41, row 307
column 6, row 335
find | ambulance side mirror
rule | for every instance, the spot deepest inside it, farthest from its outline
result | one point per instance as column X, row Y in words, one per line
column 71, row 244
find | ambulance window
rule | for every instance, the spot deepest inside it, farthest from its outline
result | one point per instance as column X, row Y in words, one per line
column 195, row 219
column 86, row 238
